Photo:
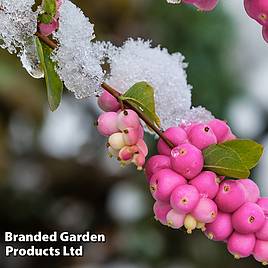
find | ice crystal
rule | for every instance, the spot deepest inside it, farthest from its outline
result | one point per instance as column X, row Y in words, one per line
column 138, row 61
column 18, row 23
column 30, row 60
column 196, row 115
column 17, row 27
column 78, row 62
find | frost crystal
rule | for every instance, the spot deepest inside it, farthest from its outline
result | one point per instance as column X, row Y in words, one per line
column 17, row 28
column 78, row 64
column 197, row 115
column 137, row 61
column 18, row 23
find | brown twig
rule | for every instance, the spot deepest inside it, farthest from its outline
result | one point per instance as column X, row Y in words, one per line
column 146, row 120
column 46, row 40
column 117, row 95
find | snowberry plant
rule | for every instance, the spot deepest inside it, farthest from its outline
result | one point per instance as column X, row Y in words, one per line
column 200, row 177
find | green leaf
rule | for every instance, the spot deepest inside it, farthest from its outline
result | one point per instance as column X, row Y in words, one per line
column 233, row 158
column 49, row 11
column 50, row 7
column 45, row 18
column 141, row 95
column 249, row 151
column 53, row 82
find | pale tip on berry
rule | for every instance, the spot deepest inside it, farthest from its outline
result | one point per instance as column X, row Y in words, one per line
column 218, row 180
column 153, row 188
column 201, row 226
column 190, row 224
column 237, row 257
column 169, row 223
column 265, row 263
column 210, row 236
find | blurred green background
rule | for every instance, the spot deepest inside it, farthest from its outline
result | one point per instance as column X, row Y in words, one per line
column 54, row 171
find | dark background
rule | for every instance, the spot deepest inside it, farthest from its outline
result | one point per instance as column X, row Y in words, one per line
column 55, row 174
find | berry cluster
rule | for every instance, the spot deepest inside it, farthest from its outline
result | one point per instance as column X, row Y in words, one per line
column 185, row 195
column 124, row 131
column 258, row 10
column 48, row 29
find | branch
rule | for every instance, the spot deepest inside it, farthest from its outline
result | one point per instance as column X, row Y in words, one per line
column 116, row 94
column 46, row 40
column 144, row 118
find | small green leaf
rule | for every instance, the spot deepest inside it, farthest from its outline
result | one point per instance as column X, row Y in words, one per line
column 249, row 151
column 141, row 95
column 50, row 7
column 53, row 82
column 49, row 11
column 233, row 158
column 45, row 18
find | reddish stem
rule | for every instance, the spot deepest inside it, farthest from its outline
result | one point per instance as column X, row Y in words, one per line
column 117, row 95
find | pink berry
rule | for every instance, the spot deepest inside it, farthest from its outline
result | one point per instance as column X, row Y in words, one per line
column 108, row 103
column 184, row 198
column 263, row 203
column 207, row 183
column 161, row 210
column 128, row 119
column 262, row 234
column 202, row 136
column 265, row 33
column 156, row 163
column 206, row 5
column 252, row 190
column 176, row 135
column 220, row 129
column 141, row 132
column 203, row 5
column 258, row 10
column 187, row 160
column 206, row 210
column 241, row 245
column 142, row 147
column 229, row 136
column 221, row 228
column 260, row 252
column 48, row 29
column 131, row 136
column 106, row 124
column 249, row 218
column 139, row 160
column 163, row 183
column 231, row 196
column 127, row 152
column 187, row 127
column 174, row 219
